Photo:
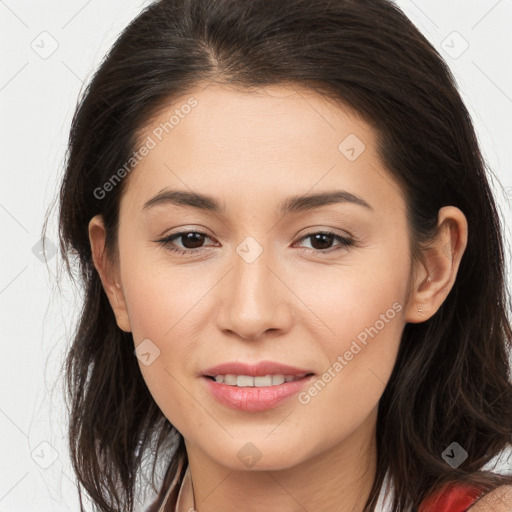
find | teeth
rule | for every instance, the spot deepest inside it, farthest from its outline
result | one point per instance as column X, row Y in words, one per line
column 258, row 382
column 244, row 381
column 279, row 379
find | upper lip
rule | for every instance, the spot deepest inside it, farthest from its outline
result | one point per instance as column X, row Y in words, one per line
column 255, row 370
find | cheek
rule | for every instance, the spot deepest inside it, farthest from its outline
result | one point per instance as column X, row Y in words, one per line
column 159, row 311
column 367, row 321
column 362, row 311
column 160, row 298
column 360, row 300
column 164, row 307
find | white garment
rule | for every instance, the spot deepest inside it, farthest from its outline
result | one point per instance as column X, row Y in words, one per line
column 171, row 487
column 385, row 496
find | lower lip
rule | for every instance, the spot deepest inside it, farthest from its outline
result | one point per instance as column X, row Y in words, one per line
column 254, row 399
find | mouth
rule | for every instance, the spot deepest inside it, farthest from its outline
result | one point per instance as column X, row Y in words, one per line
column 255, row 393
column 261, row 381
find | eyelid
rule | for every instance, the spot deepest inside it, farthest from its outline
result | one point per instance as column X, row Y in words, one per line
column 194, row 228
column 168, row 238
column 346, row 241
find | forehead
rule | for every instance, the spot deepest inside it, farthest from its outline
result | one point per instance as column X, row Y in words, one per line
column 256, row 120
column 220, row 138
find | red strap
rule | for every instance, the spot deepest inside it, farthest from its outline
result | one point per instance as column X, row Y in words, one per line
column 454, row 498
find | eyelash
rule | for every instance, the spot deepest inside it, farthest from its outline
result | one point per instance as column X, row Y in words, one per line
column 344, row 241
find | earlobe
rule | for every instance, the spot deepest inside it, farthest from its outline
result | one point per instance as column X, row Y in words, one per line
column 436, row 275
column 107, row 272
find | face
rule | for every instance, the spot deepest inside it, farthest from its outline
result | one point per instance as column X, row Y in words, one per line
column 319, row 284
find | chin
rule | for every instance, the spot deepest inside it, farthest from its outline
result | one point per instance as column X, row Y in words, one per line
column 259, row 456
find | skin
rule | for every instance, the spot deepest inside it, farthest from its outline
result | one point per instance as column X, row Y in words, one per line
column 499, row 500
column 252, row 150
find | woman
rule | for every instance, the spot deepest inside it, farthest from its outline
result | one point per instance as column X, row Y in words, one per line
column 292, row 264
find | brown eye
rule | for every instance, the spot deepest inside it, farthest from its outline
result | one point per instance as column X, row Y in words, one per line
column 191, row 241
column 321, row 242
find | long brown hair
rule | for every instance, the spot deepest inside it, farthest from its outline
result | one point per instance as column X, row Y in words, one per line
column 451, row 381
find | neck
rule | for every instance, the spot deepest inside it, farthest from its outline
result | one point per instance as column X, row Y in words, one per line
column 338, row 478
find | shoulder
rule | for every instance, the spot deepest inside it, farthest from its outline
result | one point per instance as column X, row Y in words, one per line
column 498, row 500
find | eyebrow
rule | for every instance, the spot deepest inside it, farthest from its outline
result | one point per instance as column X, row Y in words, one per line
column 297, row 203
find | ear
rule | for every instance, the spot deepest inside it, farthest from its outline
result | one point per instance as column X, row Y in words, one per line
column 108, row 272
column 434, row 277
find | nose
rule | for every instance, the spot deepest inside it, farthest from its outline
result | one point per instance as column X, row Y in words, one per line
column 254, row 299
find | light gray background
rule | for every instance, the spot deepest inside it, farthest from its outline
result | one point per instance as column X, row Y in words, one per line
column 49, row 49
